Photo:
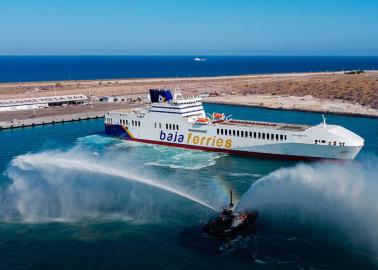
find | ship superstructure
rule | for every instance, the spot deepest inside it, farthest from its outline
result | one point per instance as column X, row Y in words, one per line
column 176, row 121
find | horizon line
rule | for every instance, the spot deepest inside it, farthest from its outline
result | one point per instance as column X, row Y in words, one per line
column 208, row 54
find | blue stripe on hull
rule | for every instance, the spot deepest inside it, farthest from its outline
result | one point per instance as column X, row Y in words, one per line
column 117, row 130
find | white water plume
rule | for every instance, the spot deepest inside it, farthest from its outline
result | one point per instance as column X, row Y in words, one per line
column 342, row 197
column 76, row 183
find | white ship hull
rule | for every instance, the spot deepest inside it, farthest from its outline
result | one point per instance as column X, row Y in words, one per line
column 176, row 124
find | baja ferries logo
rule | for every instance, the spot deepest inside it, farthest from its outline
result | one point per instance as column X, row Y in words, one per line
column 210, row 141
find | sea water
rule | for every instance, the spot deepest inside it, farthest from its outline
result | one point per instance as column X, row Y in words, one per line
column 71, row 197
column 49, row 68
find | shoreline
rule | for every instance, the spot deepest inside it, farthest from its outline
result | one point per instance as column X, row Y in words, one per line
column 293, row 109
column 321, row 92
column 183, row 78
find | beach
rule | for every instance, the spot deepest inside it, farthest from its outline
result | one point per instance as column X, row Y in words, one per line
column 336, row 92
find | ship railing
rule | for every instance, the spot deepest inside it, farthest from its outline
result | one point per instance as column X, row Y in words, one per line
column 276, row 124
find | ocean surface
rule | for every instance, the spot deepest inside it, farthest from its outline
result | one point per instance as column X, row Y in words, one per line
column 73, row 198
column 53, row 68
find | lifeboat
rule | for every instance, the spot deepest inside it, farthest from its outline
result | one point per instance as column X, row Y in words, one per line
column 202, row 121
column 218, row 116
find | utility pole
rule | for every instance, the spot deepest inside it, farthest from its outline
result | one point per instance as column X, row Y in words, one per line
column 33, row 97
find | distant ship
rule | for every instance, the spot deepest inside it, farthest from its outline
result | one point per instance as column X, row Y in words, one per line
column 173, row 120
column 198, row 59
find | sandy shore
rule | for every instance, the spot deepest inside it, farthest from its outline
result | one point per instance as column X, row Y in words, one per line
column 305, row 103
column 322, row 92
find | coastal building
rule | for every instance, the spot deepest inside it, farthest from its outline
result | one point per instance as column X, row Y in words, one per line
column 42, row 102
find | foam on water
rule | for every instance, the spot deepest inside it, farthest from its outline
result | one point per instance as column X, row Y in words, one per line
column 84, row 182
column 254, row 175
column 338, row 196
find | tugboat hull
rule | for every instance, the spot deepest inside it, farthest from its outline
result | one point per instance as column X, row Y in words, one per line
column 222, row 227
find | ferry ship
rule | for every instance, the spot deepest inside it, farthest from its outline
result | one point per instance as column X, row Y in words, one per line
column 173, row 120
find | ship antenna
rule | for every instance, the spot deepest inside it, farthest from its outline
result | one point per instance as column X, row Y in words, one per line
column 231, row 204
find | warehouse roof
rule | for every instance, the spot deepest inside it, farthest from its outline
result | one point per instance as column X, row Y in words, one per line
column 41, row 100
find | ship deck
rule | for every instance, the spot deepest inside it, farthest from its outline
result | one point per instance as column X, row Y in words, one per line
column 258, row 124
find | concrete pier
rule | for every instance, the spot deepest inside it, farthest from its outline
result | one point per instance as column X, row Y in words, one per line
column 38, row 121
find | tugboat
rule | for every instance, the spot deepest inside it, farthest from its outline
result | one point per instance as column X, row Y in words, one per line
column 231, row 223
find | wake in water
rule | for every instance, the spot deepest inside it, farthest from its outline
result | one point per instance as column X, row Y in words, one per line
column 338, row 198
column 97, row 178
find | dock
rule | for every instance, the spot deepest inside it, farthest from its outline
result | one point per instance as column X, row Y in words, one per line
column 47, row 120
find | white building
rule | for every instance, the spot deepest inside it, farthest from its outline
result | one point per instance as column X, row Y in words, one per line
column 41, row 102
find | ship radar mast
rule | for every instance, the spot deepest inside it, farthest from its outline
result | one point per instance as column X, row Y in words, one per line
column 177, row 94
column 324, row 120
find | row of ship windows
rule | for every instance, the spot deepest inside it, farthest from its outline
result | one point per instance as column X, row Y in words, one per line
column 167, row 126
column 126, row 122
column 250, row 134
column 329, row 143
column 190, row 102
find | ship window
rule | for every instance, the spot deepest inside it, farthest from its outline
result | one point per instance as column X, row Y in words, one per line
column 233, row 132
column 238, row 133
column 281, row 137
column 263, row 136
column 241, row 133
column 272, row 136
column 139, row 123
column 177, row 127
column 250, row 134
column 217, row 131
column 276, row 137
column 166, row 126
column 259, row 135
column 155, row 125
column 334, row 143
column 323, row 141
column 132, row 122
column 285, row 137
column 254, row 135
column 221, row 131
column 170, row 126
column 230, row 132
column 316, row 141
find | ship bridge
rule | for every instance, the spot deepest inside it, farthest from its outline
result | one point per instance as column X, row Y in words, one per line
column 162, row 101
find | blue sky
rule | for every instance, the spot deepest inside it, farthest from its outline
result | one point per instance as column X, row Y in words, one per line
column 313, row 27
